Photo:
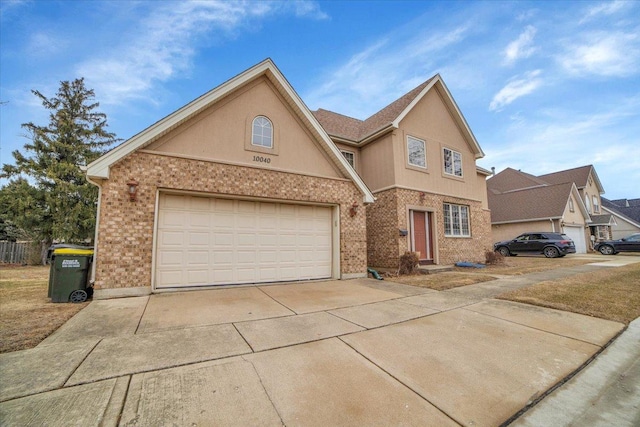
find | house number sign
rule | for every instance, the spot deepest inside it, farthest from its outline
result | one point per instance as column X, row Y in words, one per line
column 261, row 159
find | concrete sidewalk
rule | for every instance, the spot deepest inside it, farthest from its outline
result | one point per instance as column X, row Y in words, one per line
column 358, row 352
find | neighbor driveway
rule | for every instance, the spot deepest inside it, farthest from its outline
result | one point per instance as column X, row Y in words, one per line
column 357, row 352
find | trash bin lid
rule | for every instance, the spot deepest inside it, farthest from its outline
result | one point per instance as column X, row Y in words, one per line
column 73, row 251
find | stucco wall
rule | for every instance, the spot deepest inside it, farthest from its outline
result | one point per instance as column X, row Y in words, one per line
column 511, row 231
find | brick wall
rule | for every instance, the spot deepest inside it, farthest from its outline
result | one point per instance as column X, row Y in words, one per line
column 125, row 239
column 389, row 214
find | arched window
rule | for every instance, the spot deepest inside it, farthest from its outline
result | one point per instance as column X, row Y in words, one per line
column 262, row 133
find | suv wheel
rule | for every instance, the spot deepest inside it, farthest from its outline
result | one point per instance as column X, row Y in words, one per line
column 504, row 251
column 606, row 250
column 551, row 252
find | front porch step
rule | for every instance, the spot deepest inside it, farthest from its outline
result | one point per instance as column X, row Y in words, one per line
column 434, row 269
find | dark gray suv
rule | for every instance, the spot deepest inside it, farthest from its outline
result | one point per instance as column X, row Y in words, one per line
column 552, row 245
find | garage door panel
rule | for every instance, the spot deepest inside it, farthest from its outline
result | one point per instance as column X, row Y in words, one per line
column 205, row 241
column 170, row 219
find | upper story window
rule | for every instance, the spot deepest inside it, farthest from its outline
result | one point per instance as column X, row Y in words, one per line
column 587, row 203
column 456, row 220
column 452, row 162
column 350, row 156
column 416, row 152
column 262, row 132
column 596, row 205
column 571, row 208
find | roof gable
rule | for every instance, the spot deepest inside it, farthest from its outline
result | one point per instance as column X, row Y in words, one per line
column 99, row 169
column 362, row 131
column 579, row 175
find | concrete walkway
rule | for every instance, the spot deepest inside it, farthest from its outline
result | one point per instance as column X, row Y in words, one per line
column 358, row 352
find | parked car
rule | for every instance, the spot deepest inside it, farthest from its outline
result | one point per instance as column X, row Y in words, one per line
column 552, row 245
column 626, row 244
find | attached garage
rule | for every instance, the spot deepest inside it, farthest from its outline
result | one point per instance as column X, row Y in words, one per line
column 240, row 186
column 577, row 235
column 218, row 241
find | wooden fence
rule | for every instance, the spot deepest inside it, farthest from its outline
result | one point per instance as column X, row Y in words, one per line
column 18, row 252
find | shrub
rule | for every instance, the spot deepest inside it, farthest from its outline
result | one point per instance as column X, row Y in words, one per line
column 493, row 258
column 408, row 263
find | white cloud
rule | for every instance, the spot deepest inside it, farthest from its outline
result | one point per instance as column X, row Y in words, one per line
column 562, row 139
column 401, row 60
column 165, row 42
column 606, row 8
column 515, row 89
column 522, row 47
column 614, row 54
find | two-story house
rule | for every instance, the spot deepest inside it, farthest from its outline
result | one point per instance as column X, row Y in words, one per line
column 418, row 157
column 567, row 201
column 246, row 185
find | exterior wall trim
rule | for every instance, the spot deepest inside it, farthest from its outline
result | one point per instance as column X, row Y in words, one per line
column 403, row 187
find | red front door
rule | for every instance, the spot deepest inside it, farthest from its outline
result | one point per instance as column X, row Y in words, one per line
column 420, row 235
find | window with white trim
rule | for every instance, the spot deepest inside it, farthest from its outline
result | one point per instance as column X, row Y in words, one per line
column 262, row 132
column 571, row 208
column 587, row 203
column 416, row 152
column 350, row 156
column 452, row 162
column 596, row 205
column 456, row 220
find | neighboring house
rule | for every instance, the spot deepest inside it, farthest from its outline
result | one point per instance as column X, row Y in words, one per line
column 244, row 185
column 626, row 213
column 418, row 157
column 567, row 201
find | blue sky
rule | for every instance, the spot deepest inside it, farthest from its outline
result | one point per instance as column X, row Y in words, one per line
column 544, row 86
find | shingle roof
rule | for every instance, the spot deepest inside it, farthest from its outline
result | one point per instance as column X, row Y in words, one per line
column 579, row 176
column 620, row 207
column 511, row 179
column 604, row 219
column 342, row 126
column 534, row 203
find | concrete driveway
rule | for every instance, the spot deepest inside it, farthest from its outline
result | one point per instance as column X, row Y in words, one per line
column 357, row 352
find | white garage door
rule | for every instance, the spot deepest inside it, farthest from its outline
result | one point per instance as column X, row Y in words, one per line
column 209, row 241
column 577, row 235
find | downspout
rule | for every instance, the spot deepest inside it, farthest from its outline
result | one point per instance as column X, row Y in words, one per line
column 553, row 226
column 95, row 237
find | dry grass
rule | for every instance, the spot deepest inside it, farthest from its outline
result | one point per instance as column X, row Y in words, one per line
column 610, row 293
column 27, row 316
column 441, row 281
column 513, row 266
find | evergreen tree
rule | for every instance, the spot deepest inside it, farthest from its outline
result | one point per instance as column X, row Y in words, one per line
column 58, row 202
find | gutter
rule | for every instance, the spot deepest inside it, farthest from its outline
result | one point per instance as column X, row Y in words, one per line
column 95, row 236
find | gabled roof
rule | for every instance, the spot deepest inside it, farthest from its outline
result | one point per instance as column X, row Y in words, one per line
column 539, row 203
column 361, row 131
column 511, row 180
column 579, row 175
column 99, row 169
column 604, row 219
column 619, row 208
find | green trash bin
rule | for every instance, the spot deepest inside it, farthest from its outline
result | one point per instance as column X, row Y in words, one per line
column 69, row 275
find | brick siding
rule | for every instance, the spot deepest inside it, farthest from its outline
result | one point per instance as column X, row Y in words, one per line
column 388, row 215
column 125, row 239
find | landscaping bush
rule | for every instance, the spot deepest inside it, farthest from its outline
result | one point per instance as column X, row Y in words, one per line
column 408, row 263
column 493, row 258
